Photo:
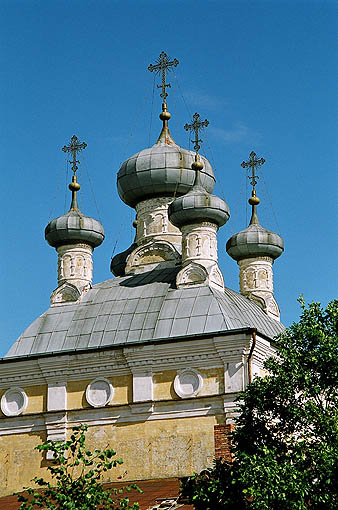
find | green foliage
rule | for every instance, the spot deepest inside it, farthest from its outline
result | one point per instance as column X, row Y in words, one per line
column 214, row 488
column 285, row 443
column 77, row 472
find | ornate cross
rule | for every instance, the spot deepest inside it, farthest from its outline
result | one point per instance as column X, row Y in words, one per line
column 163, row 64
column 196, row 126
column 253, row 163
column 74, row 147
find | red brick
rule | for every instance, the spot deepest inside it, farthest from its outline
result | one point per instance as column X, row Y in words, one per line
column 222, row 442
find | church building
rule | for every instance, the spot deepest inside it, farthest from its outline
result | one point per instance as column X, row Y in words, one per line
column 153, row 358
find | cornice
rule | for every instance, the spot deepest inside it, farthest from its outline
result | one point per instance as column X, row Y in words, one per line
column 206, row 352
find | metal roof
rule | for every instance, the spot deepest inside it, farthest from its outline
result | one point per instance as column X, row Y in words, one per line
column 139, row 308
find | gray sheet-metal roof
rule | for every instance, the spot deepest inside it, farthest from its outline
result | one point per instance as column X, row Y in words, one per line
column 144, row 307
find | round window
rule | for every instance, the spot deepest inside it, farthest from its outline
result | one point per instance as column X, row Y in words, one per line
column 188, row 383
column 14, row 402
column 99, row 392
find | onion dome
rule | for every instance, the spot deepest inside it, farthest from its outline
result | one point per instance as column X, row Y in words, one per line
column 255, row 240
column 74, row 227
column 162, row 170
column 198, row 205
column 119, row 261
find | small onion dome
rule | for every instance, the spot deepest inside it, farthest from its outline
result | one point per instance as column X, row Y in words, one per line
column 254, row 241
column 119, row 261
column 162, row 170
column 74, row 227
column 198, row 205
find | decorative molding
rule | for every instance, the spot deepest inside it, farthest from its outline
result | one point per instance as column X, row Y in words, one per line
column 216, row 277
column 56, row 424
column 65, row 293
column 14, row 401
column 57, row 396
column 99, row 392
column 56, row 428
column 188, row 383
column 192, row 274
column 153, row 253
column 137, row 359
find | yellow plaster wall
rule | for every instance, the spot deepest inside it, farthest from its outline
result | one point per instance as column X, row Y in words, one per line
column 37, row 399
column 163, row 385
column 158, row 448
column 19, row 461
column 213, row 383
column 76, row 394
column 150, row 449
column 76, row 391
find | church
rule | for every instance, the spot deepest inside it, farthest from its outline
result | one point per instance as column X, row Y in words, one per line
column 154, row 358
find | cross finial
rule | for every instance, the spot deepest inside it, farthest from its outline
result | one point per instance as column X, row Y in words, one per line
column 74, row 147
column 253, row 163
column 196, row 126
column 161, row 67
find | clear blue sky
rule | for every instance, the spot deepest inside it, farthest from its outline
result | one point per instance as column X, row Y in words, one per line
column 263, row 72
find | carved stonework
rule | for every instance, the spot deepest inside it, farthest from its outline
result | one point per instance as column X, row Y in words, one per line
column 256, row 282
column 75, row 264
column 198, row 274
column 192, row 274
column 153, row 222
column 147, row 256
column 216, row 277
column 272, row 308
column 66, row 293
column 199, row 242
column 256, row 274
column 199, row 256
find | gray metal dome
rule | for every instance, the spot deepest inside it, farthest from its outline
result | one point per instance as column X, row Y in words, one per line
column 162, row 170
column 74, row 227
column 255, row 241
column 196, row 206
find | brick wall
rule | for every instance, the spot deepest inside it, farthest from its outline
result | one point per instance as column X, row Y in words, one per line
column 222, row 443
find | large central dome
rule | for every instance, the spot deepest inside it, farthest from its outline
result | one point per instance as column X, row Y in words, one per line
column 161, row 170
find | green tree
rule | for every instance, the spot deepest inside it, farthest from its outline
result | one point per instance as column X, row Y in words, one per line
column 78, row 473
column 285, row 444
